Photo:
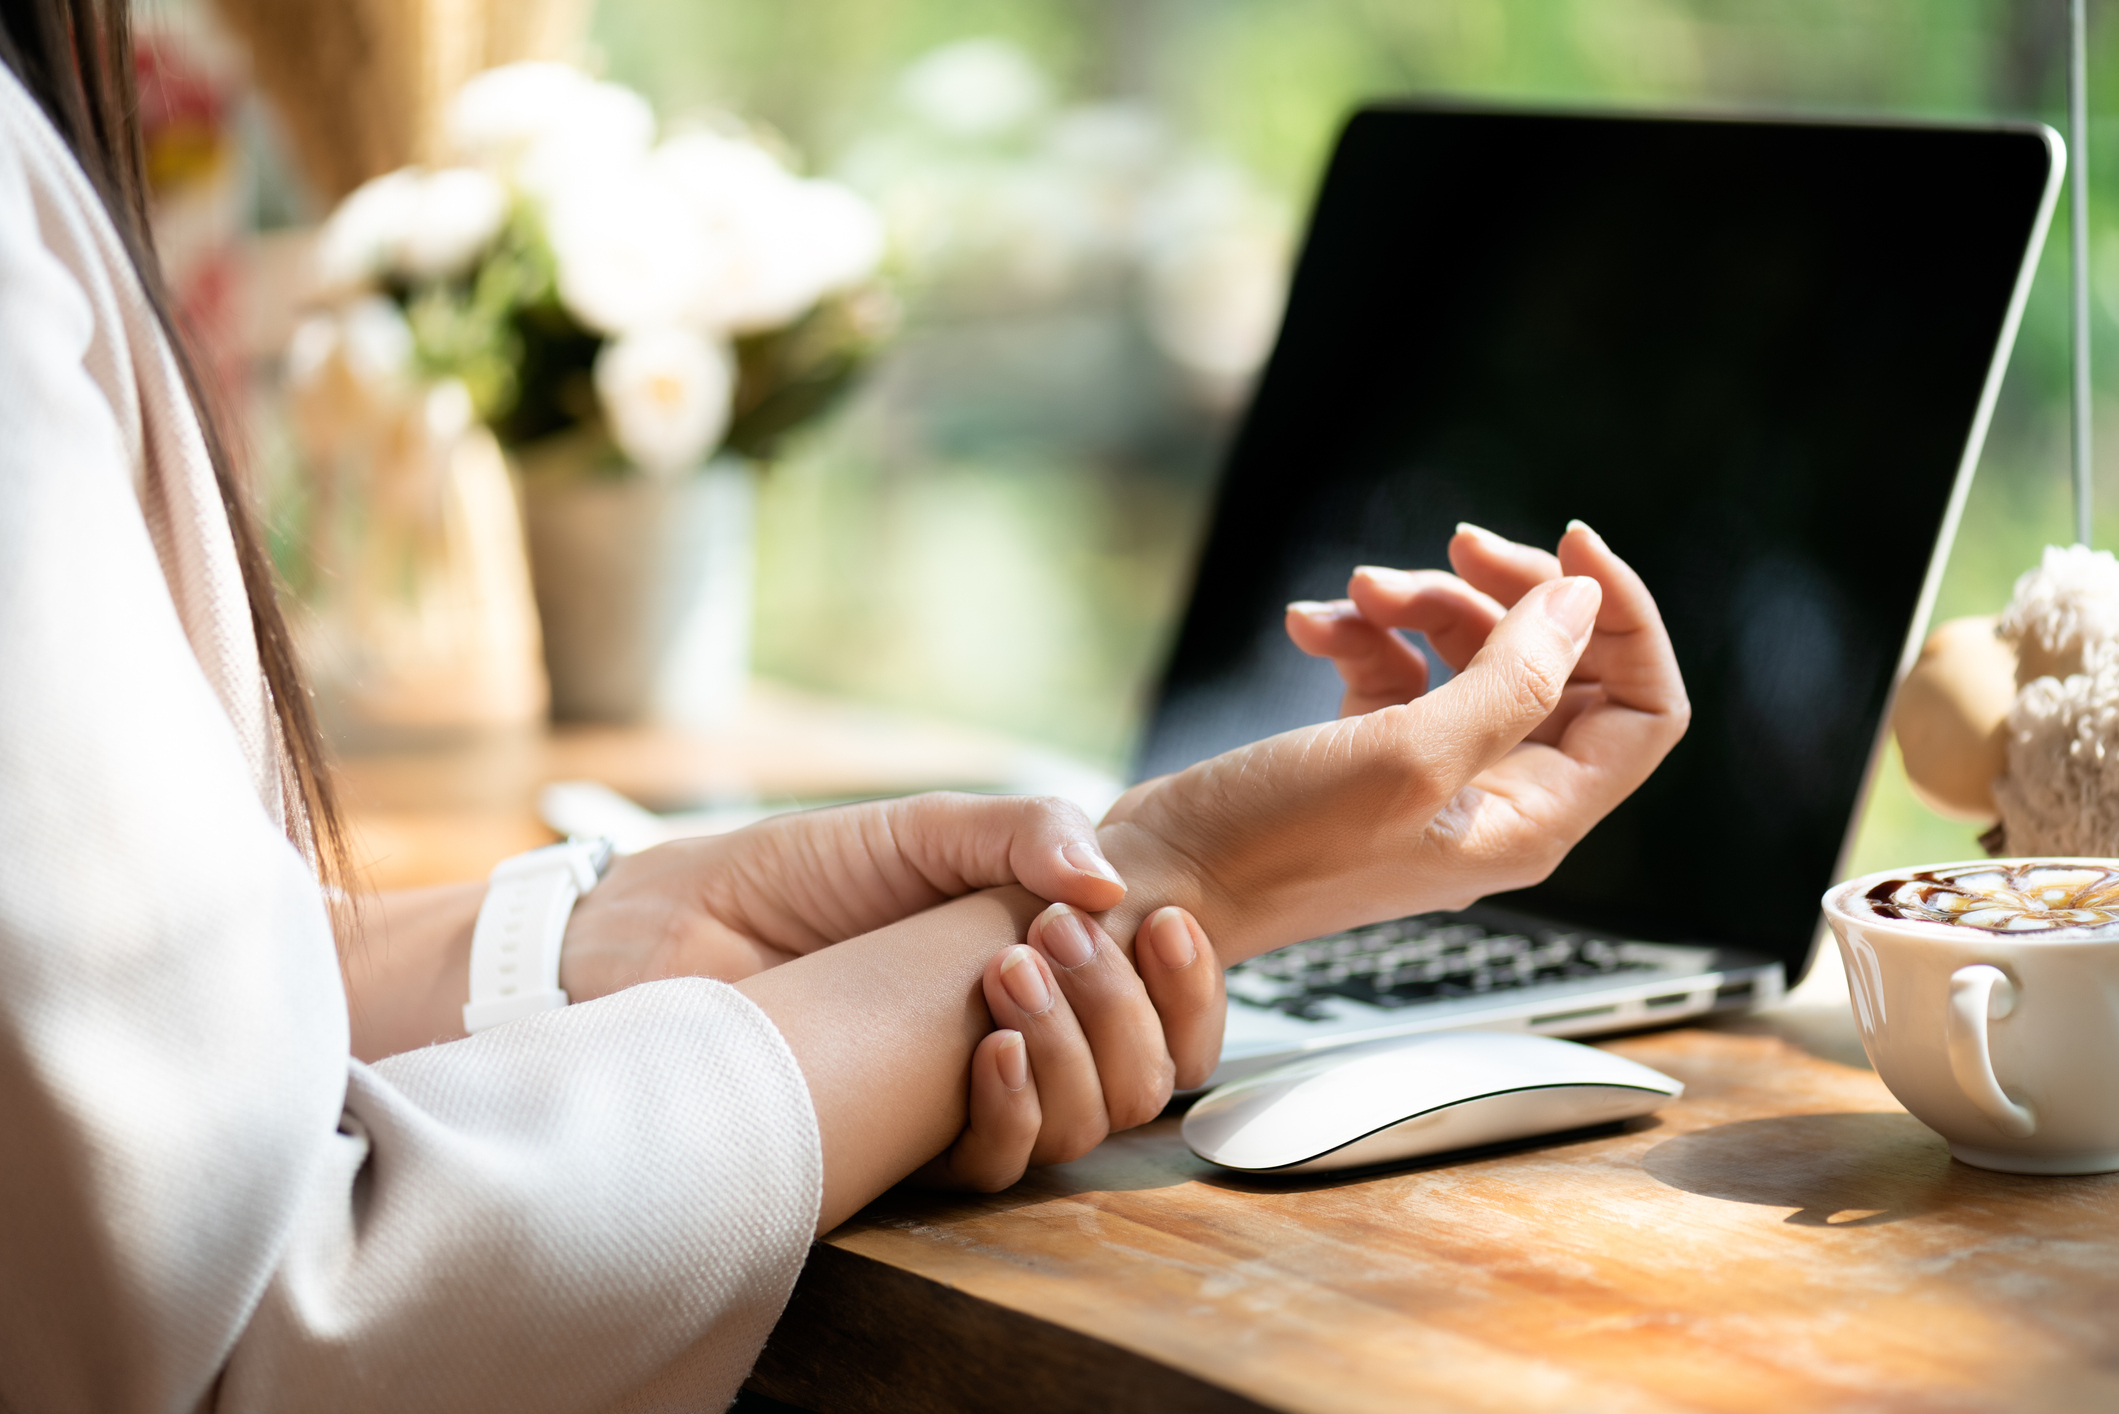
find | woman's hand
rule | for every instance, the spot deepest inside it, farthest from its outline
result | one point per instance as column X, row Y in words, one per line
column 728, row 906
column 1104, row 1042
column 1567, row 695
column 1089, row 1044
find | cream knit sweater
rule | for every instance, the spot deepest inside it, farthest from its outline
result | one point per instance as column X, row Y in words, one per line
column 204, row 1203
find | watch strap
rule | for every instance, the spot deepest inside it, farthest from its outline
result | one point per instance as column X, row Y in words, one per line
column 516, row 940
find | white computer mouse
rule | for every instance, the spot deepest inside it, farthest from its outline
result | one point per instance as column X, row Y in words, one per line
column 1409, row 1096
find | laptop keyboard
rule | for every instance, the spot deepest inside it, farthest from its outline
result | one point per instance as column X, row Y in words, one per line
column 1422, row 959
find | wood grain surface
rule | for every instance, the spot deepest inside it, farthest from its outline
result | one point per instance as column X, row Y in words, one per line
column 1785, row 1237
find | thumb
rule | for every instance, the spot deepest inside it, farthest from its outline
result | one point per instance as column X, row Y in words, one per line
column 1511, row 685
column 959, row 842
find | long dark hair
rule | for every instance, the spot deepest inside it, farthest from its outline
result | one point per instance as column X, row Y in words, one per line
column 75, row 57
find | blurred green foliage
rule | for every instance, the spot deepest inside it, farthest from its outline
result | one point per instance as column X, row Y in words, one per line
column 1025, row 574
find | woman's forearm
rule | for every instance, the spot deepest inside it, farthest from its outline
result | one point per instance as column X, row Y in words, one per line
column 883, row 1027
column 407, row 966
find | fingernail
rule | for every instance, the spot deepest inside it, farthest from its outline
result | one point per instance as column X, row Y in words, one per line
column 1582, row 525
column 1172, row 939
column 1011, row 1060
column 1084, row 857
column 1025, row 984
column 1573, row 603
column 1465, row 527
column 1064, row 938
column 1310, row 609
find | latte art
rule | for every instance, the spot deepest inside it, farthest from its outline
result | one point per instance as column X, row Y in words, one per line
column 2005, row 898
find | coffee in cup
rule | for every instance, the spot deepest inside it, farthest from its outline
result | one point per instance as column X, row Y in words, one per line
column 1987, row 994
column 2033, row 896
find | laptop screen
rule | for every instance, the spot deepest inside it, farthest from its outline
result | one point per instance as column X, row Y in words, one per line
column 1751, row 354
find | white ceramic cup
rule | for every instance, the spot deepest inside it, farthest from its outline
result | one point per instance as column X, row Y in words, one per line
column 2005, row 1045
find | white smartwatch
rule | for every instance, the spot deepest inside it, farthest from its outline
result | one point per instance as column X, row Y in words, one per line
column 515, row 943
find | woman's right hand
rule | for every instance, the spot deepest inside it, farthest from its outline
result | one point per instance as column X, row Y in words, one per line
column 729, row 906
column 1567, row 696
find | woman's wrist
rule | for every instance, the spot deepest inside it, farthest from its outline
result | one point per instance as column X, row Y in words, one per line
column 408, row 972
column 1158, row 874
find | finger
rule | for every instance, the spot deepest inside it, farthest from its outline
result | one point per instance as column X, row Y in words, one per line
column 1379, row 668
column 1125, row 1035
column 1498, row 565
column 1183, row 977
column 1022, row 996
column 1455, row 617
column 994, row 1148
column 1621, row 734
column 959, row 842
column 1509, row 687
column 1630, row 655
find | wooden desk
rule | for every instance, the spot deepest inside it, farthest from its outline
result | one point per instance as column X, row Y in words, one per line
column 1784, row 1238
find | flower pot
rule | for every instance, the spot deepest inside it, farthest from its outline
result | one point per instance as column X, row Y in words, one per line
column 644, row 588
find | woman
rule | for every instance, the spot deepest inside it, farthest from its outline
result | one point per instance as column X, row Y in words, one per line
column 208, row 1197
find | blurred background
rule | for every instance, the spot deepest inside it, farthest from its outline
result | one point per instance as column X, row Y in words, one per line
column 1090, row 208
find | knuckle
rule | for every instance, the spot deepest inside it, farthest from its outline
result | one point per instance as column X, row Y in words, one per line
column 1195, row 1072
column 1535, row 685
column 1535, row 864
column 1077, row 1139
column 1420, row 789
column 1142, row 1101
column 928, row 802
column 993, row 1175
column 1051, row 810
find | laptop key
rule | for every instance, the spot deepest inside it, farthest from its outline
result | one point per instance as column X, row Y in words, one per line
column 1413, row 960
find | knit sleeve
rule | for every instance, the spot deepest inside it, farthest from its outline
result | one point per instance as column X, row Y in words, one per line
column 563, row 1213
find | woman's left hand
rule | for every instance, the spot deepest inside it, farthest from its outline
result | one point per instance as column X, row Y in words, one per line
column 1087, row 1043
column 1567, row 696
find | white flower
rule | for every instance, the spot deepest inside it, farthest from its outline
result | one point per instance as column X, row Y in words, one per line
column 359, row 240
column 456, row 214
column 503, row 115
column 629, row 250
column 426, row 225
column 375, row 341
column 779, row 243
column 666, row 393
column 975, row 88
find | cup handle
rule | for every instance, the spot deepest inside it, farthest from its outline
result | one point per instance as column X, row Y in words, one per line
column 1977, row 993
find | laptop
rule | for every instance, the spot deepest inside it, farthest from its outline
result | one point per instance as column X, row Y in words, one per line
column 1759, row 357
